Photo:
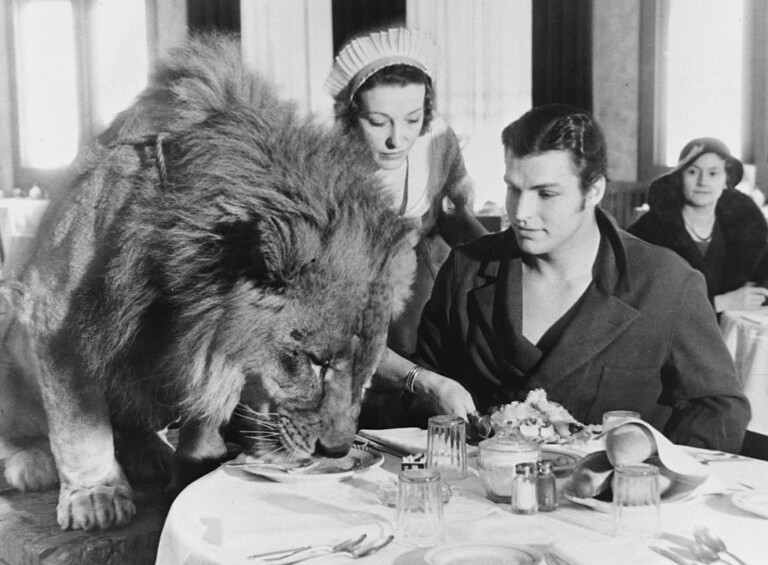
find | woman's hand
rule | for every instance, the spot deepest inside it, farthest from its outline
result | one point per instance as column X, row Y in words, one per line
column 445, row 395
column 747, row 297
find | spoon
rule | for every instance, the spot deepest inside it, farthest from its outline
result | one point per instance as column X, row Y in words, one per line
column 704, row 537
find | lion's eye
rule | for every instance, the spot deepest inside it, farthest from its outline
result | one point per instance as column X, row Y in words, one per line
column 320, row 367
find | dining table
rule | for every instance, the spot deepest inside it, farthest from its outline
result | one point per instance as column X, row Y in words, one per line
column 746, row 335
column 232, row 515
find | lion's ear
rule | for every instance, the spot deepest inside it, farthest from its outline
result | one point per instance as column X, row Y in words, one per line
column 246, row 251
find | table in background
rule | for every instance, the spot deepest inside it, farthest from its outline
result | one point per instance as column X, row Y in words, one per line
column 746, row 336
column 230, row 514
column 19, row 220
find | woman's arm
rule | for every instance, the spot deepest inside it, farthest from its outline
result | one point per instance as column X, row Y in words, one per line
column 444, row 395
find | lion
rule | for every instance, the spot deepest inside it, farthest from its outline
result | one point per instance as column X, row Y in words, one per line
column 215, row 253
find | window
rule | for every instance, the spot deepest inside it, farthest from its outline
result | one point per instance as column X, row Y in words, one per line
column 72, row 65
column 703, row 74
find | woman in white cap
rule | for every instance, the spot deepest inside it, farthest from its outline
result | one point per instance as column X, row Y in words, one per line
column 382, row 85
column 696, row 211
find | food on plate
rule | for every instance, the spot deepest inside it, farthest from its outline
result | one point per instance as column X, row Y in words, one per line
column 541, row 420
column 592, row 475
column 629, row 444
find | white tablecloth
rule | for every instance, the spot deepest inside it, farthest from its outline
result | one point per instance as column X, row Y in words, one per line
column 19, row 220
column 230, row 514
column 746, row 336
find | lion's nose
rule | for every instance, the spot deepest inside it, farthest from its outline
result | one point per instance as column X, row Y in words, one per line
column 333, row 451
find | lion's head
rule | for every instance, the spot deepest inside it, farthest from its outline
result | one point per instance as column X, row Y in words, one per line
column 259, row 265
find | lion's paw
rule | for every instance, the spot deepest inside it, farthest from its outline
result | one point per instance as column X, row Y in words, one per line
column 94, row 508
column 32, row 469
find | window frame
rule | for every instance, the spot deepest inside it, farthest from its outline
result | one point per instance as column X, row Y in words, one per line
column 157, row 11
column 654, row 17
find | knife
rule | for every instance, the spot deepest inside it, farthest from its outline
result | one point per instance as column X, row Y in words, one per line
column 669, row 555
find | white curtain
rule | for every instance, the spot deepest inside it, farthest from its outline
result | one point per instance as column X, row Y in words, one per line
column 484, row 76
column 291, row 42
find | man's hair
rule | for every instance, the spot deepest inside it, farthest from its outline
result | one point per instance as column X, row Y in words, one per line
column 560, row 127
column 394, row 75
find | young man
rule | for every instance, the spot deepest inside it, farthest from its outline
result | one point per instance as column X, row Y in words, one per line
column 567, row 302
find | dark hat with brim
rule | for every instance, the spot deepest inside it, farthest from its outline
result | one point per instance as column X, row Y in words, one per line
column 702, row 145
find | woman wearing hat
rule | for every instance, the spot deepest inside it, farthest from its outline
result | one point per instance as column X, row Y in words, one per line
column 382, row 85
column 696, row 211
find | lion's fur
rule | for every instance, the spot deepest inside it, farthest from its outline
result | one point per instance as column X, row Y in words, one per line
column 213, row 247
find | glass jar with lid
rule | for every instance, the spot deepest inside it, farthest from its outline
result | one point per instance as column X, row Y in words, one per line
column 497, row 458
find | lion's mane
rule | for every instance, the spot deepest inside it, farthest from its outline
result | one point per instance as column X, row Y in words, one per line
column 215, row 246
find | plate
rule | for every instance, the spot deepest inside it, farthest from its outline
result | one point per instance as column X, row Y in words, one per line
column 755, row 502
column 562, row 458
column 354, row 462
column 487, row 553
column 682, row 490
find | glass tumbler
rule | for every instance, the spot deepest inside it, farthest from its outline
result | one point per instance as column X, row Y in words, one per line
column 636, row 501
column 447, row 446
column 420, row 508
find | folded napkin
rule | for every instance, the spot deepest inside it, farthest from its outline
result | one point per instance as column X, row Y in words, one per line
column 408, row 441
column 691, row 478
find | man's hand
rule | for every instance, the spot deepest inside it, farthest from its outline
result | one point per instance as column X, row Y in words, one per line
column 445, row 395
column 747, row 297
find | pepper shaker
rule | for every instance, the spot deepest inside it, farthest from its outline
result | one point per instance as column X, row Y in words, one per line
column 546, row 487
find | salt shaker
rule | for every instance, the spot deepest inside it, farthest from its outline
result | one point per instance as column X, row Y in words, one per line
column 524, row 489
column 546, row 487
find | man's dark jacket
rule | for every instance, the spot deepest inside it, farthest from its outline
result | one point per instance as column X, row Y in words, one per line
column 644, row 337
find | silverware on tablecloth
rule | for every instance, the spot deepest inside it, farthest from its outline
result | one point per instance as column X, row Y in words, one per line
column 354, row 550
column 670, row 555
column 275, row 466
column 554, row 559
column 704, row 537
column 364, row 442
column 287, row 556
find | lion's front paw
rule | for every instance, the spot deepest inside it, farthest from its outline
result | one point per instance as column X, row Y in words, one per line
column 95, row 507
column 31, row 469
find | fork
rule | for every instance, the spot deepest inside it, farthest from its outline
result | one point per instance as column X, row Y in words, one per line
column 308, row 550
column 354, row 551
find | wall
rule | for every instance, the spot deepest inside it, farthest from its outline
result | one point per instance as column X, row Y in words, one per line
column 616, row 82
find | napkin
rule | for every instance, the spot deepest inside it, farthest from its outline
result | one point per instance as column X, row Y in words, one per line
column 691, row 477
column 408, row 441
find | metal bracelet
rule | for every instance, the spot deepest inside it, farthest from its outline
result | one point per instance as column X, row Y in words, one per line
column 411, row 377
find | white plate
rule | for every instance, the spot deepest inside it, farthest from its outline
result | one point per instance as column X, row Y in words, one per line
column 354, row 462
column 563, row 458
column 681, row 491
column 487, row 553
column 752, row 501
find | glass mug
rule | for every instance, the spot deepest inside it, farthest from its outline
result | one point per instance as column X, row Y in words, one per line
column 420, row 508
column 447, row 446
column 636, row 501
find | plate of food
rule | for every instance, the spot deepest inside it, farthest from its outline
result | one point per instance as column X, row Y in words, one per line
column 563, row 459
column 483, row 552
column 537, row 419
column 356, row 461
column 631, row 443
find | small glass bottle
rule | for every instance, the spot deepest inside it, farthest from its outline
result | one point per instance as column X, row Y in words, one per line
column 546, row 487
column 524, row 489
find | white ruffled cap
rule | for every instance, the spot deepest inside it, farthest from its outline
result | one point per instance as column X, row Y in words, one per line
column 363, row 56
